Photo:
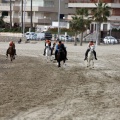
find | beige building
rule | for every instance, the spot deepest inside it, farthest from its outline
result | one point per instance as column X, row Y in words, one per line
column 44, row 12
column 113, row 20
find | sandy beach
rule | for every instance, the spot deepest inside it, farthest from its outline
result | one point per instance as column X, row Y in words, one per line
column 32, row 89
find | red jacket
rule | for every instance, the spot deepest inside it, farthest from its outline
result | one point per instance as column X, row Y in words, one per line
column 11, row 44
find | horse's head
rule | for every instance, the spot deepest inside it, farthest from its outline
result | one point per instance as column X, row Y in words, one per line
column 47, row 44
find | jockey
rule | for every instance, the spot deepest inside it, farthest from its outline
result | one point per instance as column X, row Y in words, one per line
column 89, row 45
column 60, row 45
column 49, row 44
column 12, row 44
column 53, row 47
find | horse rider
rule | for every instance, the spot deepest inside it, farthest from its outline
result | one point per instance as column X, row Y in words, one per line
column 53, row 47
column 60, row 45
column 49, row 44
column 86, row 53
column 12, row 44
column 20, row 41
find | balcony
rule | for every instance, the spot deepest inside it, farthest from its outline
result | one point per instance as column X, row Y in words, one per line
column 4, row 7
column 16, row 8
column 47, row 9
column 93, row 1
column 45, row 21
column 16, row 20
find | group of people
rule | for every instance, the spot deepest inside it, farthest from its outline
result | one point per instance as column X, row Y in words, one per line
column 58, row 45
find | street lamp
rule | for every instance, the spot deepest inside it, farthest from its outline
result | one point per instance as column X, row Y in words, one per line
column 44, row 22
column 24, row 18
column 97, row 27
column 59, row 20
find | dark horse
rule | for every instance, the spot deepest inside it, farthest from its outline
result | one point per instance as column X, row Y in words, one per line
column 11, row 52
column 61, row 56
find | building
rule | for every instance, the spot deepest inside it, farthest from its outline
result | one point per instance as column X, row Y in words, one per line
column 113, row 20
column 44, row 12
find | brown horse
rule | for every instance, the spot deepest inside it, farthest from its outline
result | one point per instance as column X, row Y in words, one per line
column 11, row 52
column 61, row 57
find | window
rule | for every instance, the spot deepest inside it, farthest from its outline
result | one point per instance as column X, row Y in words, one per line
column 104, row 27
column 49, row 4
column 4, row 13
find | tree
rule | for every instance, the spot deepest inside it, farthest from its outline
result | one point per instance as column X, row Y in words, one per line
column 100, row 14
column 83, row 23
column 79, row 24
column 2, row 23
column 74, row 27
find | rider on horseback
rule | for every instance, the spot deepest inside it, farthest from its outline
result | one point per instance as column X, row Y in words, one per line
column 60, row 45
column 86, row 53
column 12, row 44
column 47, row 42
column 53, row 47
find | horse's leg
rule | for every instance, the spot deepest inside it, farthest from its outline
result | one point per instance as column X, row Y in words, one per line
column 7, row 56
column 51, row 58
column 87, row 63
column 58, row 63
column 11, row 57
column 51, row 55
column 92, row 64
column 7, row 53
column 64, row 62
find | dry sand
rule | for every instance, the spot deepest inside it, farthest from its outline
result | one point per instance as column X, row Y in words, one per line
column 32, row 89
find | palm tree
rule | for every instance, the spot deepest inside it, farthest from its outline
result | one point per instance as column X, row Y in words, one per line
column 74, row 27
column 83, row 23
column 100, row 15
column 2, row 23
column 79, row 24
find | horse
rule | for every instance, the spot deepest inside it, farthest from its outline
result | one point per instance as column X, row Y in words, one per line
column 48, row 52
column 90, row 58
column 11, row 52
column 61, row 57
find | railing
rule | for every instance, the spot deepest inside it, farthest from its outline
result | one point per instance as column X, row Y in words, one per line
column 92, row 1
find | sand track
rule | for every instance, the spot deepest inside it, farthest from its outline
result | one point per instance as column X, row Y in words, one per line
column 32, row 89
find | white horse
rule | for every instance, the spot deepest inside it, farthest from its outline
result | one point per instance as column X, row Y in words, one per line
column 90, row 58
column 48, row 53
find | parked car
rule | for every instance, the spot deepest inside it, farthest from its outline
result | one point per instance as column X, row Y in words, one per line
column 30, row 35
column 110, row 40
column 66, row 38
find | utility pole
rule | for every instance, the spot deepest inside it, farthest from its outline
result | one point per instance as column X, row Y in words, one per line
column 59, row 20
column 31, row 17
column 22, row 16
column 97, row 27
column 10, row 14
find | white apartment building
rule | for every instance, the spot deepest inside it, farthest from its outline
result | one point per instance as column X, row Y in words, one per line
column 113, row 20
column 44, row 12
